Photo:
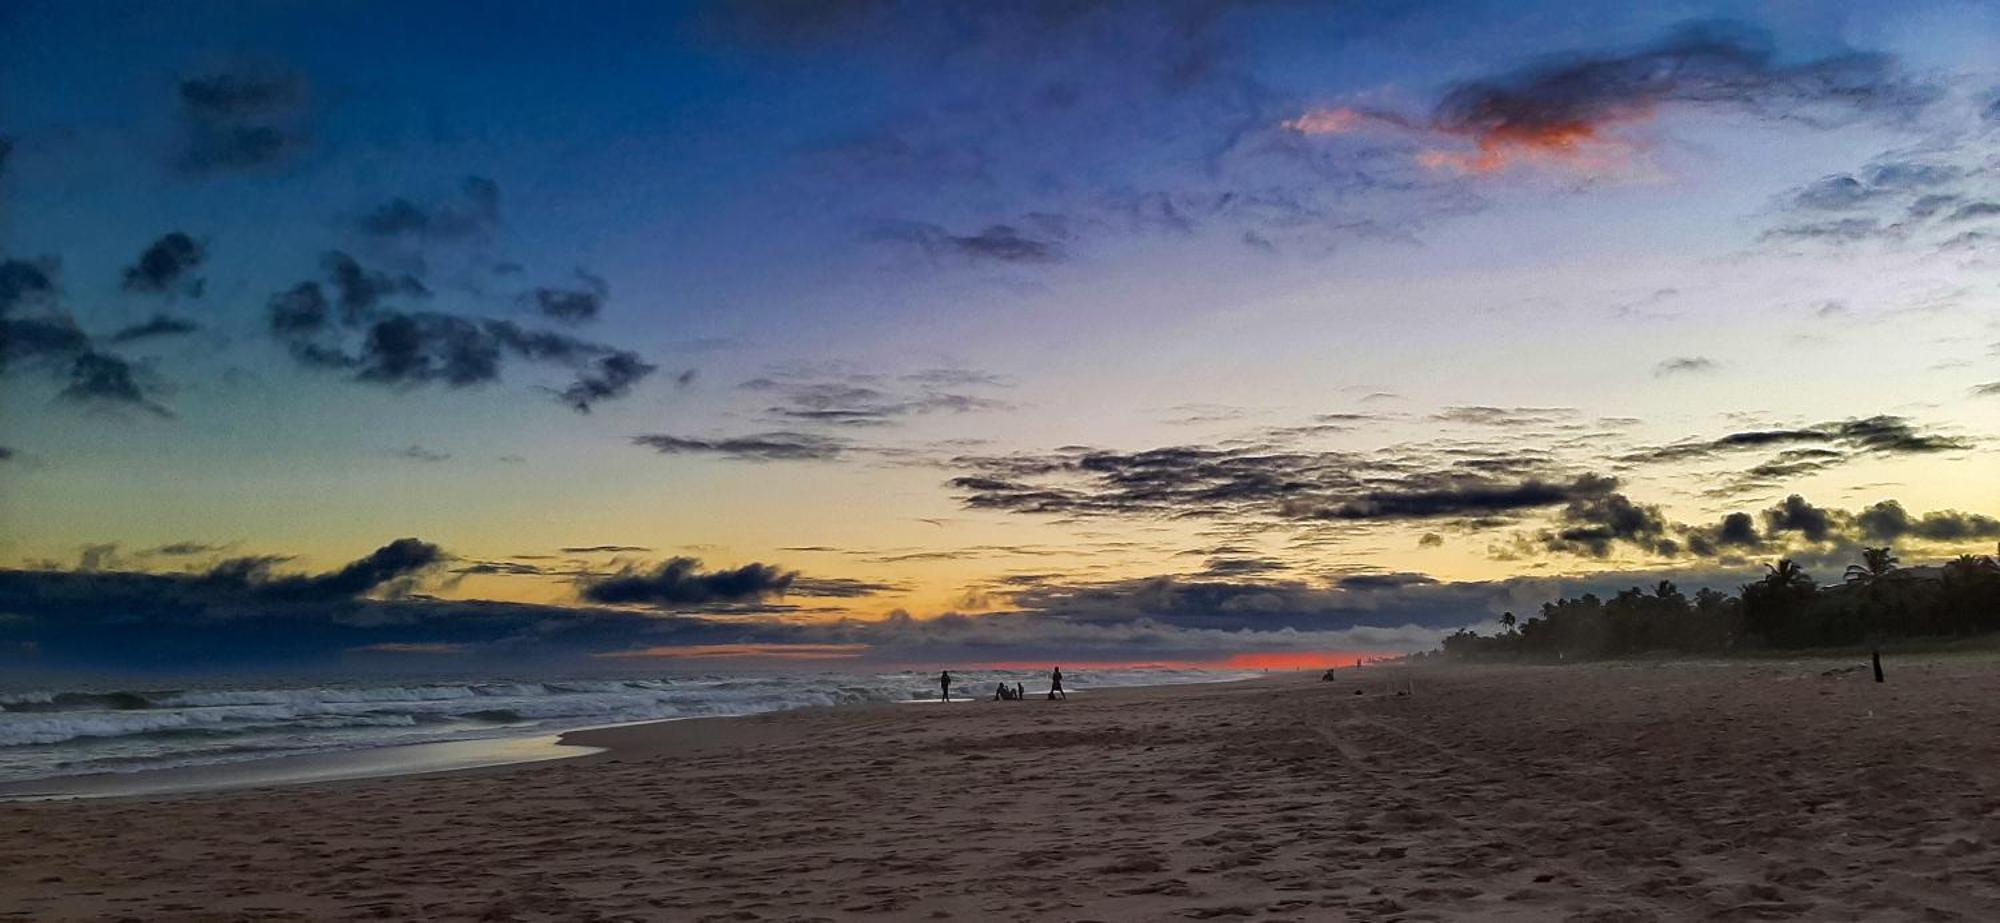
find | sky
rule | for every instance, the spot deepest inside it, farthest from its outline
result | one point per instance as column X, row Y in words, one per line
column 403, row 336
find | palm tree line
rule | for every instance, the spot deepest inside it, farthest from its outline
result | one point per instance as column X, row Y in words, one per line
column 1877, row 600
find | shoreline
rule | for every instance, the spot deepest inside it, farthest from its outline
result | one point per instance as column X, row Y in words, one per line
column 416, row 759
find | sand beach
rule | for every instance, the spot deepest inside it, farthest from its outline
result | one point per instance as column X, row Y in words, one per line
column 1724, row 791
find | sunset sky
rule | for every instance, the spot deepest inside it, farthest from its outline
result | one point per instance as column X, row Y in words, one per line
column 922, row 333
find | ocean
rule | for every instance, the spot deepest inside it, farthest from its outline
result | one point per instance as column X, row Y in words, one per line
column 53, row 732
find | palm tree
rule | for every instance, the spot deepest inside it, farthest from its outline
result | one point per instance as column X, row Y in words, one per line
column 1872, row 576
column 1787, row 575
column 1877, row 564
column 1507, row 620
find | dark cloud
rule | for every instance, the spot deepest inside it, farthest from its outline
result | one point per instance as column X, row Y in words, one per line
column 361, row 290
column 1814, row 523
column 102, row 377
column 1242, row 567
column 1685, row 364
column 1431, row 498
column 604, row 549
column 1264, row 483
column 1989, row 389
column 1804, row 449
column 187, row 549
column 1554, row 106
column 680, row 583
column 419, row 453
column 167, row 266
column 380, row 345
column 998, row 243
column 1390, row 581
column 870, row 400
column 6, row 454
column 247, row 117
column 159, row 325
column 388, row 568
column 1887, row 521
column 36, row 334
column 26, row 283
column 573, row 305
column 776, row 446
column 1592, row 525
column 474, row 212
column 1505, row 416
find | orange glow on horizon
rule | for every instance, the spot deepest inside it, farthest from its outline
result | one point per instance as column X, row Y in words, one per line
column 1263, row 660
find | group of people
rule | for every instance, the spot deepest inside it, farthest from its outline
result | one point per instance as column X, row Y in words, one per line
column 1004, row 693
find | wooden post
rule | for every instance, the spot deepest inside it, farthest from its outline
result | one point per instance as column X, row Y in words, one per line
column 1876, row 656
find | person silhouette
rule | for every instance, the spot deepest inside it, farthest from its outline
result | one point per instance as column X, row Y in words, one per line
column 1055, row 685
column 1020, row 692
column 944, row 684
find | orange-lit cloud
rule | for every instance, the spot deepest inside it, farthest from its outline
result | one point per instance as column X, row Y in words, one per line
column 1327, row 121
column 1581, row 147
column 773, row 651
column 1577, row 146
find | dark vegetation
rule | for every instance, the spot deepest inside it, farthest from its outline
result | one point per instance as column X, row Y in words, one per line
column 1877, row 601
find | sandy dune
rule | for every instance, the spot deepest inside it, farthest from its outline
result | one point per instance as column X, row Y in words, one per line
column 1728, row 792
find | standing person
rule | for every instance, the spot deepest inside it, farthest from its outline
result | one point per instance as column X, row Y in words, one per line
column 1020, row 692
column 944, row 684
column 1055, row 685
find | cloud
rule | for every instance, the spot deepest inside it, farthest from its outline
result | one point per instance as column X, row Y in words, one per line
column 159, row 325
column 360, row 290
column 415, row 452
column 1242, row 567
column 1592, row 525
column 6, row 453
column 379, row 345
column 1887, row 521
column 1794, row 526
column 103, row 377
column 815, row 396
column 608, row 377
column 475, row 212
column 1685, row 365
column 1568, row 111
column 1504, row 416
column 572, row 306
column 999, row 243
column 36, row 334
column 389, row 567
column 1272, row 484
column 774, row 446
column 604, row 549
column 680, row 583
column 1577, row 112
column 242, row 118
column 1989, row 389
column 167, row 266
column 1802, row 449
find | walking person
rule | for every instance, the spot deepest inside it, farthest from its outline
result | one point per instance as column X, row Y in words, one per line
column 944, row 684
column 1055, row 685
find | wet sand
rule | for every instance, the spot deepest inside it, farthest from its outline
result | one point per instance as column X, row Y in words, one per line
column 1745, row 791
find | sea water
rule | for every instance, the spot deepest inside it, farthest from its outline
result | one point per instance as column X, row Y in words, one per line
column 53, row 731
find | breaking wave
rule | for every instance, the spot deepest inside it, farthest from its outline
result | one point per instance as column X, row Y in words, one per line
column 45, row 732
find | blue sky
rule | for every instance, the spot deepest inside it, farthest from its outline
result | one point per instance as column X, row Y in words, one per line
column 834, row 270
